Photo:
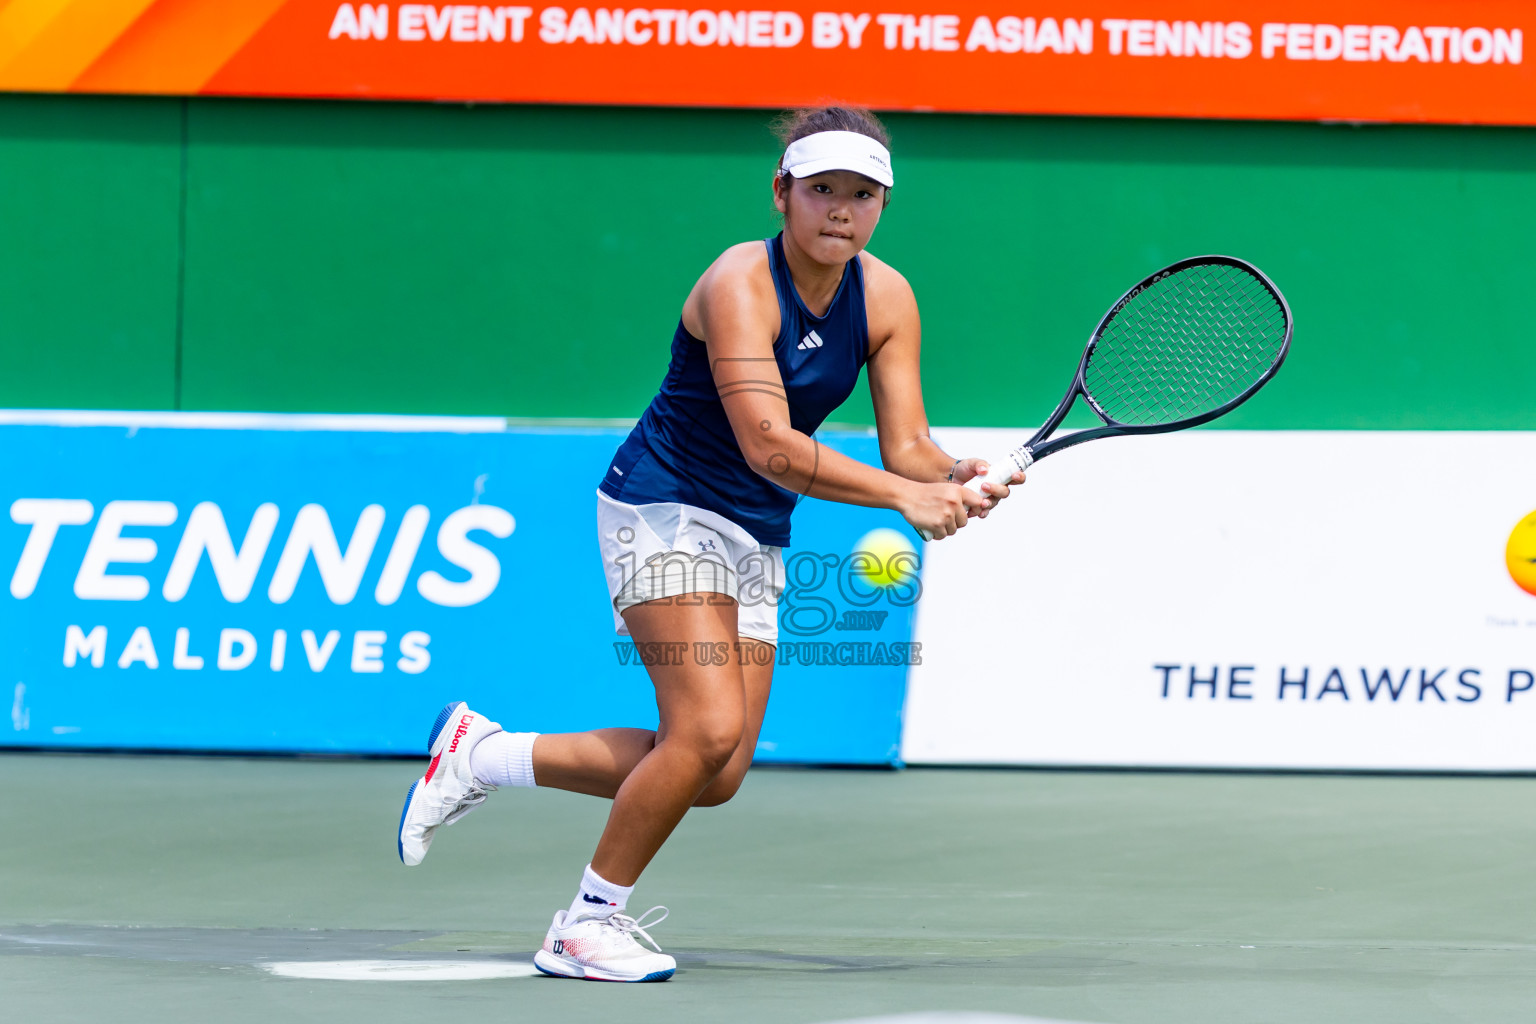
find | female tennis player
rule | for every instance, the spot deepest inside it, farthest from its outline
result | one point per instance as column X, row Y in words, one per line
column 693, row 513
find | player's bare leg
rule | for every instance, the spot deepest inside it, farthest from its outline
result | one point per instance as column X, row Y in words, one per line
column 598, row 762
column 703, row 717
column 698, row 754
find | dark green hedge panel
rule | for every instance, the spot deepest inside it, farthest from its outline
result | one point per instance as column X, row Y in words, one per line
column 415, row 258
column 530, row 261
column 89, row 208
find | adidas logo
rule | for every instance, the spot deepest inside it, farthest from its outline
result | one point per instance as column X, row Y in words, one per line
column 812, row 340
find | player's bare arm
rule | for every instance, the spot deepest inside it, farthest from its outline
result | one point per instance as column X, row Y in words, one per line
column 737, row 318
column 895, row 385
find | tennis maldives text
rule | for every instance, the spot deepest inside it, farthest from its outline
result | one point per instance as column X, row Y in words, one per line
column 1337, row 684
column 310, row 538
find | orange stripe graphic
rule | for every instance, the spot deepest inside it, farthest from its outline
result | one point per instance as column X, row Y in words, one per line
column 21, row 21
column 63, row 45
column 176, row 46
column 1395, row 60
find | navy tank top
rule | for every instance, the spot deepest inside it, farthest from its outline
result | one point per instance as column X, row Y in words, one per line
column 683, row 448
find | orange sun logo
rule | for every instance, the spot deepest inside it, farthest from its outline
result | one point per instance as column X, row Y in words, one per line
column 1520, row 554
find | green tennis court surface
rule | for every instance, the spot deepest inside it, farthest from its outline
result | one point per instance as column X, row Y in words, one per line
column 164, row 889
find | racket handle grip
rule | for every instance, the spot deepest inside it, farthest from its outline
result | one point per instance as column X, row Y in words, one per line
column 999, row 471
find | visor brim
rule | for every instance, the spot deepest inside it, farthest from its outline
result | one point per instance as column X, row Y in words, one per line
column 868, row 168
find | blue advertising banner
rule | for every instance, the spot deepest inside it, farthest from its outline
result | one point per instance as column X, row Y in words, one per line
column 197, row 587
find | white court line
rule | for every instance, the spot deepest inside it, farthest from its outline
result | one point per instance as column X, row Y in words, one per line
column 400, row 970
column 953, row 1017
column 254, row 421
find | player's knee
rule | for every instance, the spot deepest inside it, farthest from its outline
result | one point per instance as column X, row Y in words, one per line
column 725, row 786
column 716, row 741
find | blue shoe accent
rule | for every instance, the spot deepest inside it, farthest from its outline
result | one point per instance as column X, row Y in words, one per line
column 657, row 976
column 552, row 974
column 442, row 720
column 400, row 835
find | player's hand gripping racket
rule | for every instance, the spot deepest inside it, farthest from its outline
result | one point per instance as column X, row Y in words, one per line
column 1188, row 344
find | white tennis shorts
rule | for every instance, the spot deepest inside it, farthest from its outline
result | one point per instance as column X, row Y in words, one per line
column 668, row 549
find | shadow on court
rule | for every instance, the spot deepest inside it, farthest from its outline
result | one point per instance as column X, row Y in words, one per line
column 182, row 889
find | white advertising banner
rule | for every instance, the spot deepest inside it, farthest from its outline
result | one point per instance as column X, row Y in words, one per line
column 1327, row 600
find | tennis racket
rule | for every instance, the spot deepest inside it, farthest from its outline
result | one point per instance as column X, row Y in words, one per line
column 1189, row 343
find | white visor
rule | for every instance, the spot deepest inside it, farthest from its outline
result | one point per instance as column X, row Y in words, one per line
column 838, row 151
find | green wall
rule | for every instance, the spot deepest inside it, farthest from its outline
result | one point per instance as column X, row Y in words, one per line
column 90, row 199
column 530, row 261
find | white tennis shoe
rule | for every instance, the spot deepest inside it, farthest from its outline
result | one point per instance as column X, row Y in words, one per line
column 448, row 791
column 604, row 948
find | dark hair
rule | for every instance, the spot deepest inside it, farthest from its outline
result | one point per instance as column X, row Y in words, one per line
column 794, row 125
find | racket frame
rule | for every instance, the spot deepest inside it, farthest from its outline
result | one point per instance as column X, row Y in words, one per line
column 1032, row 450
column 1000, row 470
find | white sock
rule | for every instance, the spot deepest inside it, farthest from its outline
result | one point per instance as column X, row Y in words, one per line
column 599, row 897
column 504, row 759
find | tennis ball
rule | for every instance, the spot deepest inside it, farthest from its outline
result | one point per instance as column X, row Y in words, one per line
column 886, row 569
column 1520, row 554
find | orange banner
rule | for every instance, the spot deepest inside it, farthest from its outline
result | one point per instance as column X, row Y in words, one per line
column 1355, row 60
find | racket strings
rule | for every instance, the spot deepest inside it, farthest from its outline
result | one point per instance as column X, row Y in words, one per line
column 1185, row 345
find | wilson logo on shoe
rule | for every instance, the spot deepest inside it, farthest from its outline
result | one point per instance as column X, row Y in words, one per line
column 812, row 340
column 460, row 732
column 559, row 949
